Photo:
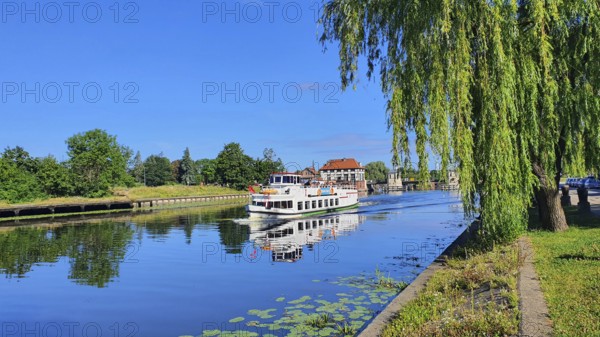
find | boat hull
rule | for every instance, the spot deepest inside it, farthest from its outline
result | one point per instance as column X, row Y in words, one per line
column 264, row 214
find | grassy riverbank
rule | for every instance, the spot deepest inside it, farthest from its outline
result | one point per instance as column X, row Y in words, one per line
column 568, row 265
column 474, row 296
column 136, row 193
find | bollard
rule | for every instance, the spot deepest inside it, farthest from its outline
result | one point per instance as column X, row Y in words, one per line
column 565, row 199
column 583, row 205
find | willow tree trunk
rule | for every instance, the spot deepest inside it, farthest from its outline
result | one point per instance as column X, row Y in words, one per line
column 550, row 211
column 552, row 216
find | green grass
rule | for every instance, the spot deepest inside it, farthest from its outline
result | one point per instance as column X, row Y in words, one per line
column 173, row 191
column 474, row 296
column 568, row 265
column 136, row 193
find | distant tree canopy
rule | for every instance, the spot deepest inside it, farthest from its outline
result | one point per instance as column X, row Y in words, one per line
column 267, row 165
column 508, row 90
column 158, row 170
column 138, row 172
column 206, row 169
column 233, row 167
column 17, row 185
column 187, row 169
column 376, row 171
column 98, row 163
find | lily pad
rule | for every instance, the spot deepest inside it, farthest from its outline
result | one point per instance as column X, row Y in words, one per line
column 236, row 320
column 300, row 300
column 264, row 314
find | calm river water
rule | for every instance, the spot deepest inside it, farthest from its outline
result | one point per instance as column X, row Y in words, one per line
column 210, row 271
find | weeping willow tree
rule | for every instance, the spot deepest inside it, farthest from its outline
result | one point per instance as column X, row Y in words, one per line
column 506, row 90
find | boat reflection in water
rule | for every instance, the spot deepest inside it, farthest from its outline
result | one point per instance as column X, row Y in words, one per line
column 286, row 241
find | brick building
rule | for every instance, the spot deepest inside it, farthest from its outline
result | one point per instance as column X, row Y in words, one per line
column 346, row 171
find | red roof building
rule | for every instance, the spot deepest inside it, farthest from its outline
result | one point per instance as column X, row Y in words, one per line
column 345, row 171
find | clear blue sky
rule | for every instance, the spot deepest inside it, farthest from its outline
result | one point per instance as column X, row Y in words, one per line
column 189, row 74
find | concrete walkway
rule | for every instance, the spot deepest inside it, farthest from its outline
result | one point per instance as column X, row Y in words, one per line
column 535, row 317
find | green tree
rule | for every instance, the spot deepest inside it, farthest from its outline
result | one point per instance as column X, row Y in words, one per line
column 207, row 170
column 267, row 165
column 158, row 170
column 187, row 169
column 98, row 163
column 176, row 170
column 18, row 185
column 21, row 158
column 137, row 171
column 376, row 171
column 54, row 178
column 233, row 167
column 506, row 89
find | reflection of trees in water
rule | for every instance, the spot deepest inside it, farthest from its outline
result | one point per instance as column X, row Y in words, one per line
column 232, row 235
column 94, row 251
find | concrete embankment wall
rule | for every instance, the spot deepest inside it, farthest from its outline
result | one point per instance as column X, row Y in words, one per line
column 50, row 210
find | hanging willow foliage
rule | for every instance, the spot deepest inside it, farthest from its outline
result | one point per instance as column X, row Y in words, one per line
column 508, row 90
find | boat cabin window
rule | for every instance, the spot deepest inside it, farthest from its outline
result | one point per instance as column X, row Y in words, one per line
column 307, row 204
column 326, row 202
column 300, row 226
column 314, row 224
column 314, row 204
column 320, row 203
column 277, row 204
column 337, row 201
column 290, row 204
column 300, row 205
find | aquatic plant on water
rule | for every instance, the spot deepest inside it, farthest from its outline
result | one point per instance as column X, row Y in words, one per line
column 342, row 314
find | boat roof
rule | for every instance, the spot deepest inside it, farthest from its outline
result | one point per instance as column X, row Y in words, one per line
column 285, row 173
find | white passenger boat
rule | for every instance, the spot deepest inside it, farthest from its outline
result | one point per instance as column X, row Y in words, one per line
column 287, row 197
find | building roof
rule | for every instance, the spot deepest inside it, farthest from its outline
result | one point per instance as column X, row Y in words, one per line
column 341, row 164
column 310, row 170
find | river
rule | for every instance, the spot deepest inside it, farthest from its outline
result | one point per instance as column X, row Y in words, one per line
column 211, row 271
